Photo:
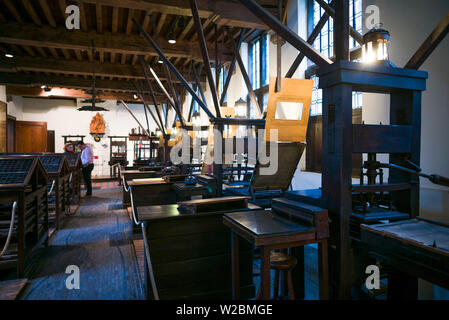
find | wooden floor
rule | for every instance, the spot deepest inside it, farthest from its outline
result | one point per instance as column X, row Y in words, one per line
column 97, row 239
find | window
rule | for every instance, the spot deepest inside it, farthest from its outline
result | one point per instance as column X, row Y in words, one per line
column 222, row 80
column 325, row 44
column 258, row 70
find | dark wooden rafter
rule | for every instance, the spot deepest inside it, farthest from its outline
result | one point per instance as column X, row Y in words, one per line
column 173, row 69
column 58, row 66
column 228, row 12
column 341, row 34
column 430, row 44
column 198, row 83
column 291, row 37
column 205, row 54
column 144, row 105
column 147, row 108
column 115, row 43
column 251, row 93
column 167, row 72
column 231, row 67
column 191, row 105
column 279, row 53
column 312, row 37
column 150, row 87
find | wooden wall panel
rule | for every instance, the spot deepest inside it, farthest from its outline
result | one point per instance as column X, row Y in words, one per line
column 31, row 136
column 3, row 141
column 10, row 134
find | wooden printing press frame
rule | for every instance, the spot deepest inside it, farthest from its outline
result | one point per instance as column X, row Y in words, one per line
column 31, row 196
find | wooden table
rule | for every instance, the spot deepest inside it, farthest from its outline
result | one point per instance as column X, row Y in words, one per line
column 190, row 254
column 271, row 231
column 411, row 249
column 186, row 192
column 128, row 175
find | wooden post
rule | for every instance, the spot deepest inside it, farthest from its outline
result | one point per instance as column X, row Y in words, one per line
column 205, row 54
column 341, row 30
column 405, row 109
column 336, row 179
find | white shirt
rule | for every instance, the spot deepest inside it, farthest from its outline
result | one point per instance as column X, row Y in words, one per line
column 87, row 156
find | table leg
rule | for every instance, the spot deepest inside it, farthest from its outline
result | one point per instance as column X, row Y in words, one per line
column 265, row 273
column 323, row 269
column 235, row 266
column 402, row 286
column 298, row 272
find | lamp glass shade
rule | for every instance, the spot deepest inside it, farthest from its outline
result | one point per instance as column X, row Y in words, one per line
column 376, row 46
column 240, row 109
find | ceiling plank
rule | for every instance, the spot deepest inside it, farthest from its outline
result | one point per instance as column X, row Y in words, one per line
column 32, row 12
column 47, row 11
column 231, row 13
column 37, row 92
column 58, row 66
column 13, row 33
column 14, row 11
column 99, row 15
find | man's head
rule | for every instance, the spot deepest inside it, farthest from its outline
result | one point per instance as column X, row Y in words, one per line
column 81, row 145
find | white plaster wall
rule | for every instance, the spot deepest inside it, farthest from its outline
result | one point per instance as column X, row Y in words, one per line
column 409, row 23
column 63, row 117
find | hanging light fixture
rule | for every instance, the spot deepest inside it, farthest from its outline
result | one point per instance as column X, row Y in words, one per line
column 376, row 46
column 240, row 109
column 196, row 118
column 92, row 101
column 171, row 36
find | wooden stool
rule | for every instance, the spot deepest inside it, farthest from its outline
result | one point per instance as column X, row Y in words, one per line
column 281, row 262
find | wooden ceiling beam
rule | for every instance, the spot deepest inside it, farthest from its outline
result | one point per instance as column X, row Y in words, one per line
column 47, row 11
column 37, row 92
column 74, row 67
column 13, row 10
column 29, row 35
column 30, row 80
column 32, row 12
column 231, row 13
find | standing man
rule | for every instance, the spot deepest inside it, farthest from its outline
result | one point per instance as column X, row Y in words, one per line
column 87, row 162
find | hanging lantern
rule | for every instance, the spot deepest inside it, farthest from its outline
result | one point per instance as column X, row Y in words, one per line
column 240, row 108
column 376, row 46
column 196, row 119
column 158, row 132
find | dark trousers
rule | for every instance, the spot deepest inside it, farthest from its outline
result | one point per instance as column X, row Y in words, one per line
column 87, row 174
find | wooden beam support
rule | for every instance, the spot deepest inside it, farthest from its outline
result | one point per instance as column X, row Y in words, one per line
column 231, row 67
column 341, row 30
column 148, row 81
column 330, row 11
column 173, row 69
column 230, row 13
column 316, row 31
column 30, row 35
column 430, row 44
column 251, row 93
column 31, row 80
column 205, row 54
column 66, row 93
column 174, row 97
column 286, row 33
column 73, row 67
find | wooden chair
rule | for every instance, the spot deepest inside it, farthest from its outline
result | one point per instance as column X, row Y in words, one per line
column 281, row 262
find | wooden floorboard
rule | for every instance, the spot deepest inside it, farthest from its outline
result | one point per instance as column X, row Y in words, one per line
column 98, row 240
column 10, row 290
